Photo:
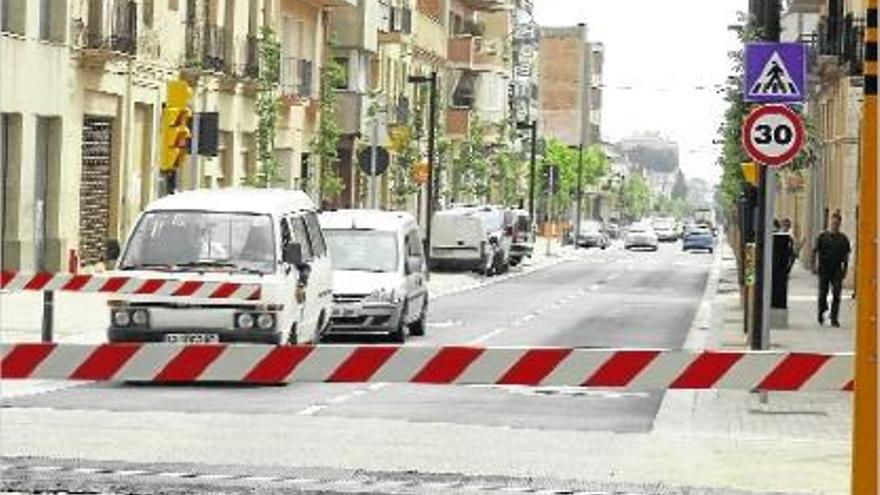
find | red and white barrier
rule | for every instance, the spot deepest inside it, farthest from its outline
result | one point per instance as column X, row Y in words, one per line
column 601, row 368
column 117, row 284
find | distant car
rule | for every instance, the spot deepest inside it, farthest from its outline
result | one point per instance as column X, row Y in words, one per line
column 699, row 237
column 592, row 234
column 472, row 238
column 613, row 230
column 665, row 230
column 379, row 270
column 640, row 235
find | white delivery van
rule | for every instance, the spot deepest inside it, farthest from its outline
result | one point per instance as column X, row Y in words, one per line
column 379, row 283
column 472, row 237
column 250, row 236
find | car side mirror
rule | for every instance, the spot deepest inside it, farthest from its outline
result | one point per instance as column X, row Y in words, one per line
column 292, row 254
column 111, row 250
column 413, row 265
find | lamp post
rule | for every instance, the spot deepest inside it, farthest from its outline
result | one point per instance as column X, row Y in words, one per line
column 432, row 116
column 533, row 126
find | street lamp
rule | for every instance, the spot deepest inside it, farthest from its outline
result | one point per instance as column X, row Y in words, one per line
column 533, row 126
column 580, row 193
column 432, row 116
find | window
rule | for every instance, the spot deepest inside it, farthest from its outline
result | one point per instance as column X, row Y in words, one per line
column 12, row 16
column 343, row 65
column 316, row 235
column 300, row 235
column 286, row 237
column 414, row 244
column 148, row 13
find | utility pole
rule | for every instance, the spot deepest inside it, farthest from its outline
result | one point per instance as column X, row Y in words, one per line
column 580, row 194
column 767, row 13
column 432, row 124
column 374, row 139
column 865, row 466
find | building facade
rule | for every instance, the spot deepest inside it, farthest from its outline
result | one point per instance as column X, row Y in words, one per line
column 81, row 114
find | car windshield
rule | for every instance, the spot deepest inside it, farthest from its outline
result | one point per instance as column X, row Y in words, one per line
column 590, row 227
column 199, row 240
column 362, row 250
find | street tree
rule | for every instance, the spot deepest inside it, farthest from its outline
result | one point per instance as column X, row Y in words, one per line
column 327, row 137
column 268, row 171
column 636, row 197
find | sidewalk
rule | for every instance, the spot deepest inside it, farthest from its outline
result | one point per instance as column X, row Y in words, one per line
column 806, row 436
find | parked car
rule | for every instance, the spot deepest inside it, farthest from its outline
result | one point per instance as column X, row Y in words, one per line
column 613, row 230
column 699, row 237
column 665, row 229
column 640, row 235
column 522, row 233
column 250, row 236
column 379, row 283
column 472, row 238
column 592, row 234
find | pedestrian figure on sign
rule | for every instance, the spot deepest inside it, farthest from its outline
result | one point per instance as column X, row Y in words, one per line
column 832, row 253
column 775, row 83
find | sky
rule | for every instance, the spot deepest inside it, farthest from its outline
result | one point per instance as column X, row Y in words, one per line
column 662, row 50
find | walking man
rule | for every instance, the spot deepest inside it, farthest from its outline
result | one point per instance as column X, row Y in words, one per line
column 832, row 249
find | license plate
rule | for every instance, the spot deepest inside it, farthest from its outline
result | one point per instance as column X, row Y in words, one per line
column 345, row 311
column 192, row 338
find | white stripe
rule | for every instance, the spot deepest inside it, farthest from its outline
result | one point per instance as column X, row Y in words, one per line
column 403, row 365
column 146, row 363
column 205, row 290
column 94, row 284
column 235, row 362
column 169, row 287
column 57, row 281
column 833, row 375
column 750, row 370
column 320, row 363
column 4, row 349
column 63, row 361
column 579, row 365
column 662, row 370
column 129, row 286
column 18, row 281
column 490, row 366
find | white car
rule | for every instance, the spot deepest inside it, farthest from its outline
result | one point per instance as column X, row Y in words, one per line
column 640, row 235
column 471, row 237
column 251, row 236
column 379, row 283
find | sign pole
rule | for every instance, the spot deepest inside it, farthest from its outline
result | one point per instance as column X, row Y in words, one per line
column 374, row 139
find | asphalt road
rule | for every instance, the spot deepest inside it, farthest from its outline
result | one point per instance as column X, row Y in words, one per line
column 611, row 298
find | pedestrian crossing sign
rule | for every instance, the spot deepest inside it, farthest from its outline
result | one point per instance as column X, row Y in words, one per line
column 775, row 73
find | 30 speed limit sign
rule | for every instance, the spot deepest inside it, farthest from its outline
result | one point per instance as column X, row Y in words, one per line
column 773, row 134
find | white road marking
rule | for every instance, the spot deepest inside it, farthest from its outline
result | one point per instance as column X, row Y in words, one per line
column 594, row 287
column 485, row 337
column 311, row 410
column 339, row 399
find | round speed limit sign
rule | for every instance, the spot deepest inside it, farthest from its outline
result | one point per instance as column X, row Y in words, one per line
column 773, row 134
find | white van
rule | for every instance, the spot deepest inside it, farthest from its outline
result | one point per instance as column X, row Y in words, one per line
column 471, row 237
column 379, row 283
column 252, row 236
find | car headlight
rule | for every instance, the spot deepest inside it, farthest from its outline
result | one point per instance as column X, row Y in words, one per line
column 244, row 321
column 381, row 296
column 266, row 321
column 121, row 318
column 140, row 317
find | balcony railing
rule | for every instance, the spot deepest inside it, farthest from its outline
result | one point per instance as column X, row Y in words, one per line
column 122, row 33
column 206, row 47
column 400, row 20
column 842, row 37
column 296, row 77
column 252, row 57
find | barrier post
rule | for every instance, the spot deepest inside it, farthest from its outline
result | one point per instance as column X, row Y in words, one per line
column 48, row 315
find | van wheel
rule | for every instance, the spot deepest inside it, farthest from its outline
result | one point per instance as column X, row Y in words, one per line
column 417, row 328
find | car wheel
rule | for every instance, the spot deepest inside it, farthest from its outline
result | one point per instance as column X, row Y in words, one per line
column 398, row 336
column 417, row 328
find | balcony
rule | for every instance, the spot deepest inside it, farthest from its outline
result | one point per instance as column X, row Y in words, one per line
column 458, row 121
column 351, row 111
column 296, row 79
column 102, row 40
column 399, row 25
column 838, row 43
column 206, row 48
column 251, row 67
column 805, row 6
column 430, row 37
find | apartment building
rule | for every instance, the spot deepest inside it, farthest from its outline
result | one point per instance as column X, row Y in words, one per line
column 834, row 30
column 81, row 111
column 569, row 92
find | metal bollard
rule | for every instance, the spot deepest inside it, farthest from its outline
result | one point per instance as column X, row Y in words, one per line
column 48, row 315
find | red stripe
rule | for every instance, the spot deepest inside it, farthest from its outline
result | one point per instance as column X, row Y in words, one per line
column 76, row 282
column 534, row 366
column 105, row 361
column 447, row 364
column 150, row 286
column 850, row 386
column 23, row 359
column 793, row 372
column 256, row 294
column 278, row 364
column 621, row 368
column 190, row 363
column 113, row 284
column 362, row 364
column 706, row 370
column 188, row 288
column 38, row 281
column 6, row 276
column 225, row 290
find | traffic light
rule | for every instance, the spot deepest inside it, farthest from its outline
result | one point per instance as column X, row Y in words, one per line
column 175, row 126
